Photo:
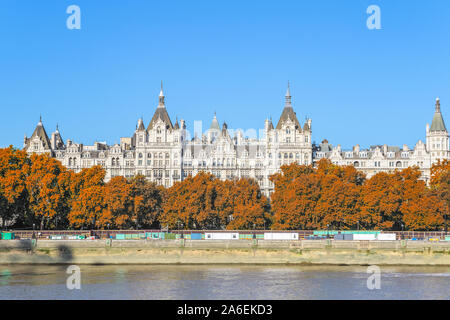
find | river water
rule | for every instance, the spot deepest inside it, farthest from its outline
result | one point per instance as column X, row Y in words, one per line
column 224, row 282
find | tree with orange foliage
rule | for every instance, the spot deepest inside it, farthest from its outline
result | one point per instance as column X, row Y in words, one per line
column 147, row 200
column 47, row 197
column 249, row 206
column 440, row 185
column 88, row 203
column 339, row 204
column 309, row 198
column 14, row 165
column 190, row 203
column 119, row 203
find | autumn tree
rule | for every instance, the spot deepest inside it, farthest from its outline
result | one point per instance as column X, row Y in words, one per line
column 118, row 202
column 250, row 207
column 147, row 200
column 14, row 166
column 191, row 203
column 440, row 184
column 88, row 202
column 47, row 200
column 311, row 198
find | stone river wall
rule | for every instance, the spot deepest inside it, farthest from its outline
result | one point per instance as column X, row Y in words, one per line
column 325, row 252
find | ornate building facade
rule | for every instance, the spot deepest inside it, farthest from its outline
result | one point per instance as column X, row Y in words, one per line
column 390, row 158
column 165, row 153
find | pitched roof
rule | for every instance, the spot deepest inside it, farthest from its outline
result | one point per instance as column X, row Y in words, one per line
column 161, row 113
column 288, row 111
column 438, row 121
column 215, row 124
column 59, row 143
column 141, row 125
column 41, row 134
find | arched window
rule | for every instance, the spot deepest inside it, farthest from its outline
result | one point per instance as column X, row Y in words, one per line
column 140, row 155
column 356, row 164
column 398, row 164
column 70, row 161
column 167, row 155
column 158, row 130
column 291, row 155
column 149, row 155
column 288, row 130
column 285, row 155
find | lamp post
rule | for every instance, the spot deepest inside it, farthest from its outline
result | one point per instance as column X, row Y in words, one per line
column 358, row 225
column 445, row 223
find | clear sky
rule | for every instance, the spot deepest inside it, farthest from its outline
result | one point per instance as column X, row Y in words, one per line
column 359, row 86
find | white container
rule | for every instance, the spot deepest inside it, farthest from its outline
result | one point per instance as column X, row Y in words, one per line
column 281, row 236
column 386, row 236
column 364, row 236
column 222, row 236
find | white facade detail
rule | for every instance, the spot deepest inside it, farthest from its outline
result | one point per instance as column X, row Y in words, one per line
column 164, row 152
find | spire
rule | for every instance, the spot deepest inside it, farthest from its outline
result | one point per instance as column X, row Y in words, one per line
column 140, row 125
column 161, row 97
column 288, row 96
column 161, row 113
column 40, row 120
column 438, row 121
column 57, row 128
column 215, row 124
column 288, row 111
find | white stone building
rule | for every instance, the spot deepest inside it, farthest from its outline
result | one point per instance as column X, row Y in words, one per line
column 388, row 158
column 165, row 153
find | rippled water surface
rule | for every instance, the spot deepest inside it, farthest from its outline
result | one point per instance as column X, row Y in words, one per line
column 223, row 282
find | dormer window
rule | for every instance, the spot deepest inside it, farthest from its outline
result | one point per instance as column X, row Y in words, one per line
column 288, row 130
column 158, row 130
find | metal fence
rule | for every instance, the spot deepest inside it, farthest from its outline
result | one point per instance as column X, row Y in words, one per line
column 302, row 234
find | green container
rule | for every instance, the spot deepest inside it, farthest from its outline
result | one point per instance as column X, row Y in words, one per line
column 447, row 238
column 8, row 236
column 260, row 236
column 171, row 236
column 120, row 236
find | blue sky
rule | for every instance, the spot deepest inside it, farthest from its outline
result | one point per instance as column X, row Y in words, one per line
column 233, row 57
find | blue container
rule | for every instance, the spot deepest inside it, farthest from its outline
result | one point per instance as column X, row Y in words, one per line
column 196, row 236
column 338, row 237
column 348, row 237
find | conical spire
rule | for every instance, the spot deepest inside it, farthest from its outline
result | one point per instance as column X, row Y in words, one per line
column 161, row 112
column 140, row 125
column 288, row 96
column 438, row 121
column 288, row 111
column 215, row 124
column 41, row 134
column 161, row 97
